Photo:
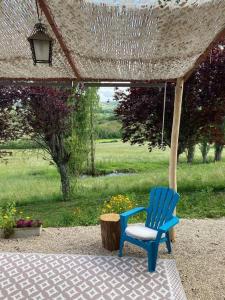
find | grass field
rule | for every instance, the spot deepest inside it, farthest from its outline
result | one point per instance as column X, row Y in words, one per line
column 34, row 183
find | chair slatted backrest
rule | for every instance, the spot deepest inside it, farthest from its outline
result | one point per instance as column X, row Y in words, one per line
column 162, row 204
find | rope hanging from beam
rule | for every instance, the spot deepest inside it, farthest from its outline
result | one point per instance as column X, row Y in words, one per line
column 163, row 120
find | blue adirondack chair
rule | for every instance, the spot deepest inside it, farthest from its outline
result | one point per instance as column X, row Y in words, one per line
column 159, row 221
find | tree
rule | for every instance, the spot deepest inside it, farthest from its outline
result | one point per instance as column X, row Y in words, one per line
column 81, row 142
column 94, row 102
column 44, row 114
column 212, row 73
column 8, row 119
column 58, row 120
column 141, row 113
column 9, row 128
column 46, row 117
column 203, row 108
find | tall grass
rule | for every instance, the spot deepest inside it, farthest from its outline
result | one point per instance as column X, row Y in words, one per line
column 34, row 183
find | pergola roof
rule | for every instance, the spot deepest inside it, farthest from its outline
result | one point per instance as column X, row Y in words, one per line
column 93, row 41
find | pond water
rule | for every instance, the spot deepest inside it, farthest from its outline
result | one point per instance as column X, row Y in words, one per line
column 109, row 175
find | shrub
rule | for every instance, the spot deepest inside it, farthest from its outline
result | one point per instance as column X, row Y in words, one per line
column 9, row 221
column 118, row 204
column 8, row 218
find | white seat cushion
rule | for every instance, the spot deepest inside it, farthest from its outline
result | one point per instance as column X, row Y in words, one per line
column 141, row 232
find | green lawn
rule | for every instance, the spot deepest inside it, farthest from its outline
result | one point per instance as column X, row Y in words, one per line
column 34, row 183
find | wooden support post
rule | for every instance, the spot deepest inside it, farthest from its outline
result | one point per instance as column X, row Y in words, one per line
column 174, row 140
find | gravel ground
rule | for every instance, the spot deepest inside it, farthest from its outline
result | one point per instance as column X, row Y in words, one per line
column 199, row 252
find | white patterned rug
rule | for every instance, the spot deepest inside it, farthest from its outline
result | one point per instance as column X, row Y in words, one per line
column 79, row 277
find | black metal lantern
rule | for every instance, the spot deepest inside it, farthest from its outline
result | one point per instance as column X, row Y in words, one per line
column 41, row 45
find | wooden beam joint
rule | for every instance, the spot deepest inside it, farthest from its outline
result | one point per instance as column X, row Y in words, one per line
column 48, row 14
column 219, row 37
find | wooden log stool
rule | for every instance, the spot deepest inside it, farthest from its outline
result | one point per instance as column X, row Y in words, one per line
column 110, row 231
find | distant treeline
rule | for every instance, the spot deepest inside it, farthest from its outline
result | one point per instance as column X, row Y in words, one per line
column 108, row 126
column 20, row 144
column 108, row 130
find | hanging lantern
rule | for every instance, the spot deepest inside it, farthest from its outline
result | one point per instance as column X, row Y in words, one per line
column 41, row 45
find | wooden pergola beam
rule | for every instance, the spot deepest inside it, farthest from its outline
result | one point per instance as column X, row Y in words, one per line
column 47, row 12
column 124, row 84
column 220, row 36
column 63, row 84
column 28, row 79
column 68, row 83
column 92, row 81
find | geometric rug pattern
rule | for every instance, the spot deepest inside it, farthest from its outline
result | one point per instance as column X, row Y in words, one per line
column 35, row 276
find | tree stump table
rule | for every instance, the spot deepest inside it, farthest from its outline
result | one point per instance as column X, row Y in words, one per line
column 110, row 231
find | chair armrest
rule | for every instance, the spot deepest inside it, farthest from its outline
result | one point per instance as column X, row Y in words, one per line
column 132, row 212
column 169, row 224
column 166, row 227
column 124, row 217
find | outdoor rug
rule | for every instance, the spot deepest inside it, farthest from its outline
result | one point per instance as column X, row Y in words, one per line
column 33, row 276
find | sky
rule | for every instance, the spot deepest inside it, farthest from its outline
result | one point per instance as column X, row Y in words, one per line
column 107, row 93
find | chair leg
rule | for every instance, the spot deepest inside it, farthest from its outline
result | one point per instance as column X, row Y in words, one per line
column 121, row 247
column 152, row 257
column 168, row 243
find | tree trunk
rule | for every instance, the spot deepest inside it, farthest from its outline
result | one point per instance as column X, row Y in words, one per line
column 218, row 152
column 110, row 231
column 204, row 157
column 65, row 180
column 180, row 150
column 204, row 150
column 190, row 154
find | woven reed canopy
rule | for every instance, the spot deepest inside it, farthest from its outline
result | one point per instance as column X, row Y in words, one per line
column 118, row 40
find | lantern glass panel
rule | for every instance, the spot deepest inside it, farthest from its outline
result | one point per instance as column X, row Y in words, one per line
column 41, row 48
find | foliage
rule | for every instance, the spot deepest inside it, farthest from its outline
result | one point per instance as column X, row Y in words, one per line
column 8, row 218
column 78, row 143
column 9, row 128
column 109, row 129
column 107, row 125
column 203, row 107
column 9, row 221
column 118, row 204
column 210, row 94
column 49, row 118
column 46, row 118
column 94, row 104
column 26, row 221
